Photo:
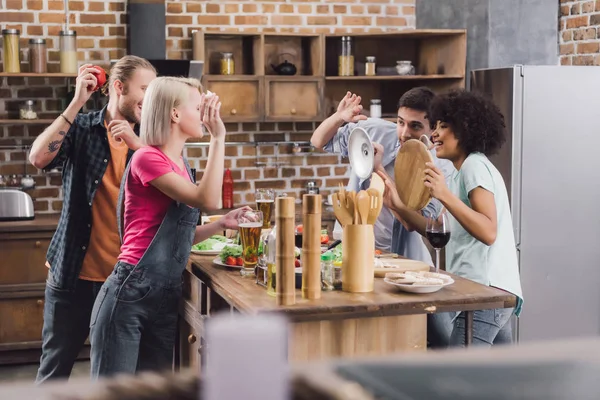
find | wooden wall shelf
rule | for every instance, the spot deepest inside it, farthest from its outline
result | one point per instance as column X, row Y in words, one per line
column 257, row 93
column 34, row 75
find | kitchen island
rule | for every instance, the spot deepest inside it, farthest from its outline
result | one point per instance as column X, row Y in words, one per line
column 340, row 324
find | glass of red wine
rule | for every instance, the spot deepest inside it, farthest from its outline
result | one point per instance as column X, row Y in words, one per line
column 438, row 234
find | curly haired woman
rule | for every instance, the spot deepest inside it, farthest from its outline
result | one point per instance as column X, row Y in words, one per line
column 482, row 248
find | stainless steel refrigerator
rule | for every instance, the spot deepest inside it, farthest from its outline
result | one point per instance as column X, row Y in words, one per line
column 551, row 166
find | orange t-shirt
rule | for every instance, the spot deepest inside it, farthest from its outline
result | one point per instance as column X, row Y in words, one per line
column 105, row 245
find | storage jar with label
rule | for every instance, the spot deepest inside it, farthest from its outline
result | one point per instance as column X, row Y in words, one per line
column 375, row 108
column 68, row 52
column 37, row 56
column 346, row 58
column 10, row 41
column 370, row 66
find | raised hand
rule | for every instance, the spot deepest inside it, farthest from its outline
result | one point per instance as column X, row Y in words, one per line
column 211, row 116
column 349, row 108
column 85, row 84
column 121, row 130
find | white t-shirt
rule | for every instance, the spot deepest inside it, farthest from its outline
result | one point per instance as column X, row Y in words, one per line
column 494, row 265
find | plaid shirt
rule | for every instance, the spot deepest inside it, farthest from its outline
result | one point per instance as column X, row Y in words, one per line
column 84, row 156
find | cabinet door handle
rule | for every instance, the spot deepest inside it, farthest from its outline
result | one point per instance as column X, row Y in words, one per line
column 38, row 244
column 192, row 338
column 293, row 111
column 40, row 302
column 233, row 111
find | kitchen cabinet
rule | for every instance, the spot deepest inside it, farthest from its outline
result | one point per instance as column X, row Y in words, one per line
column 240, row 96
column 22, row 284
column 261, row 91
column 293, row 99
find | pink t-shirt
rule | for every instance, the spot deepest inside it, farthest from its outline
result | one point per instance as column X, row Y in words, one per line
column 145, row 206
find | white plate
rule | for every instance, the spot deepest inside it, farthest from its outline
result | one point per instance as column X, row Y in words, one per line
column 213, row 252
column 418, row 288
column 217, row 261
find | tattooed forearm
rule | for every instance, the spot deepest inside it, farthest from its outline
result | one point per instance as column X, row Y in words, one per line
column 54, row 145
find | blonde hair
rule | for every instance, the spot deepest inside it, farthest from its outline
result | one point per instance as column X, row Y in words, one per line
column 124, row 69
column 163, row 94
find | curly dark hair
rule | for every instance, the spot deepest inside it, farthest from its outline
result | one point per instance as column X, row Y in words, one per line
column 476, row 121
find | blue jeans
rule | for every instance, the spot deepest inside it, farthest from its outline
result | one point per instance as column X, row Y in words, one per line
column 134, row 323
column 66, row 326
column 490, row 327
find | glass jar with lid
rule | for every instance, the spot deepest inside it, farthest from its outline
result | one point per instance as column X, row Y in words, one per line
column 370, row 66
column 346, row 58
column 10, row 41
column 68, row 52
column 227, row 64
column 375, row 109
column 37, row 56
column 27, row 111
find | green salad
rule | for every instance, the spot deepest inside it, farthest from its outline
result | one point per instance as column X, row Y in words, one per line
column 235, row 250
column 215, row 242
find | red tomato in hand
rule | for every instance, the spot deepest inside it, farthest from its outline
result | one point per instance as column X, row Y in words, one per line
column 100, row 77
column 230, row 260
column 239, row 261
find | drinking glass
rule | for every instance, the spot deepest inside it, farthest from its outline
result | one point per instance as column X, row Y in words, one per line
column 438, row 234
column 250, row 226
column 265, row 202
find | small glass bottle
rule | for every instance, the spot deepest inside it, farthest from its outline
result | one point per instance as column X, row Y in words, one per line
column 346, row 58
column 10, row 41
column 337, row 275
column 14, row 181
column 370, row 66
column 375, row 108
column 227, row 64
column 327, row 270
column 68, row 52
column 27, row 111
column 270, row 253
column 37, row 56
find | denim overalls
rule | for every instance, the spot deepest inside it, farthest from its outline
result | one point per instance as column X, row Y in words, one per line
column 134, row 319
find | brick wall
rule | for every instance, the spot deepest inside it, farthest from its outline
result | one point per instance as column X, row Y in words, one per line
column 101, row 29
column 579, row 27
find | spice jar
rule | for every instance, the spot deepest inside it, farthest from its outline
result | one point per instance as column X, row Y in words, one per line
column 370, row 66
column 26, row 110
column 227, row 64
column 10, row 39
column 346, row 58
column 37, row 56
column 375, row 108
column 68, row 52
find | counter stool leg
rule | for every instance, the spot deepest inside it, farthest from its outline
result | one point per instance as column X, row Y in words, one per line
column 468, row 328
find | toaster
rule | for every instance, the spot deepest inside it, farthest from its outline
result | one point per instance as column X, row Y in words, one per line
column 15, row 205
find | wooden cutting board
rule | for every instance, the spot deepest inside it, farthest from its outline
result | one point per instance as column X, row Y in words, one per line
column 408, row 170
column 400, row 265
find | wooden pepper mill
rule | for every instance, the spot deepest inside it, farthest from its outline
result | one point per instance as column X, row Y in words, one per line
column 311, row 246
column 285, row 280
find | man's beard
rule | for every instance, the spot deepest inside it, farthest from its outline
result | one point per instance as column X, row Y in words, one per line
column 128, row 112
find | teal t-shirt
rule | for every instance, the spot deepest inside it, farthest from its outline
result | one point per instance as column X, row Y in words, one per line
column 494, row 265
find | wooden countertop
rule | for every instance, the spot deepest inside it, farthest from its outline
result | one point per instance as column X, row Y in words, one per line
column 41, row 223
column 248, row 297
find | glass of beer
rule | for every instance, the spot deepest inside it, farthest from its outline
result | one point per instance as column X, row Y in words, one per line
column 265, row 202
column 250, row 226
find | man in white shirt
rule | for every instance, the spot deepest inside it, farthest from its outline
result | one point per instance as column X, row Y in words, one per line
column 332, row 135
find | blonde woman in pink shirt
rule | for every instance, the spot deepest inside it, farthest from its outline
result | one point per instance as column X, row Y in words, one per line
column 134, row 319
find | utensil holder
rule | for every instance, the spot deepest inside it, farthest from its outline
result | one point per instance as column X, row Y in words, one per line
column 358, row 254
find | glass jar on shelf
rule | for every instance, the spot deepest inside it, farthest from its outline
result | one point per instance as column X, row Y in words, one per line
column 68, row 52
column 370, row 66
column 10, row 41
column 227, row 64
column 375, row 109
column 37, row 56
column 346, row 58
column 27, row 110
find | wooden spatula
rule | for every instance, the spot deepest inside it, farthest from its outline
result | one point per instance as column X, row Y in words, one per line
column 375, row 205
column 340, row 211
column 363, row 205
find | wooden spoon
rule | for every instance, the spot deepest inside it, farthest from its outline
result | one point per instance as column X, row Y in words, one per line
column 363, row 205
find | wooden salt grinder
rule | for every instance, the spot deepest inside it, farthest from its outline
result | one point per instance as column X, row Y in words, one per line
column 311, row 246
column 285, row 280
